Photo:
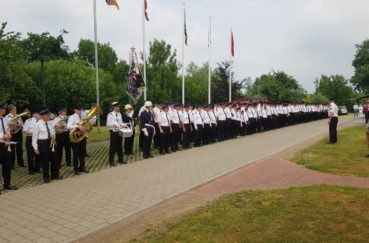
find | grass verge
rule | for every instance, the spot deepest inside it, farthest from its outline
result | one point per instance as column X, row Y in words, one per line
column 308, row 214
column 347, row 157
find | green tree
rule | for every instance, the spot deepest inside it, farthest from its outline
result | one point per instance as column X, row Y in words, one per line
column 107, row 56
column 44, row 44
column 162, row 73
column 220, row 86
column 336, row 86
column 70, row 83
column 17, row 87
column 360, row 80
column 276, row 87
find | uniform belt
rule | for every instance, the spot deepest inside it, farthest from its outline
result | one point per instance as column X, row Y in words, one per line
column 149, row 125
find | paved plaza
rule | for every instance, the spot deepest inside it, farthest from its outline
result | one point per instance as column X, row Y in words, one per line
column 69, row 209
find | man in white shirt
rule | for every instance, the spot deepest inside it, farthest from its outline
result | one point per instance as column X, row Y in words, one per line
column 221, row 115
column 42, row 138
column 157, row 114
column 174, row 115
column 114, row 122
column 186, row 127
column 34, row 165
column 332, row 121
column 78, row 149
column 62, row 137
column 165, row 130
column 5, row 138
column 198, row 126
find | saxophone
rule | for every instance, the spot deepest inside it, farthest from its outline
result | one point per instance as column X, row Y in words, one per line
column 15, row 124
column 76, row 135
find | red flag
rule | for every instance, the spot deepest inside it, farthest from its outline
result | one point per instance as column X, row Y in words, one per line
column 232, row 44
column 146, row 14
column 113, row 2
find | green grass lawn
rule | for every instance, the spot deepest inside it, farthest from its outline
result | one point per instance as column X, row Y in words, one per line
column 307, row 214
column 347, row 157
column 94, row 135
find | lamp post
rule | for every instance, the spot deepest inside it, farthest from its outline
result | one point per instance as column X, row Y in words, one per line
column 43, row 58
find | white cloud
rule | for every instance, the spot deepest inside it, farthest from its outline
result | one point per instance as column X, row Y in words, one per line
column 305, row 38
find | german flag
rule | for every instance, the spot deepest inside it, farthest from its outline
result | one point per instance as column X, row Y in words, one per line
column 113, row 2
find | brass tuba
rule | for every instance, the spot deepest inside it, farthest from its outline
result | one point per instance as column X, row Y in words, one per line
column 15, row 124
column 61, row 125
column 76, row 135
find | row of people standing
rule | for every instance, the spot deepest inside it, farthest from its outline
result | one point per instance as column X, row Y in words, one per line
column 171, row 125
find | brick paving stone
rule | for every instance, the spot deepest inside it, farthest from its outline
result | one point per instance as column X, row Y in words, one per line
column 135, row 187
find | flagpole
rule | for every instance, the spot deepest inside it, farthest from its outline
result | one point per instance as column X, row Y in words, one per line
column 96, row 67
column 209, row 65
column 183, row 57
column 230, row 69
column 144, row 47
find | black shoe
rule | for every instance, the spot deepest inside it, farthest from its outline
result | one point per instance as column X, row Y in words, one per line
column 10, row 187
column 112, row 164
column 47, row 180
column 76, row 172
column 31, row 173
column 122, row 162
column 57, row 178
column 83, row 170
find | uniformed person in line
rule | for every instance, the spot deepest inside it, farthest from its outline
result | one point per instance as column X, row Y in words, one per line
column 34, row 165
column 186, row 127
column 156, row 112
column 214, row 124
column 17, row 148
column 42, row 137
column 5, row 139
column 62, row 137
column 174, row 115
column 332, row 121
column 221, row 121
column 128, row 119
column 198, row 126
column 78, row 149
column 148, row 128
column 114, row 123
column 165, row 130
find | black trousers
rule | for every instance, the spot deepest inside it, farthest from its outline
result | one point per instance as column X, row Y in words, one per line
column 187, row 136
column 128, row 144
column 213, row 132
column 175, row 136
column 228, row 128
column 79, row 154
column 333, row 130
column 146, row 142
column 47, row 159
column 164, row 140
column 63, row 142
column 115, row 147
column 221, row 130
column 206, row 133
column 157, row 136
column 34, row 164
column 5, row 162
column 17, row 149
column 198, row 135
column 141, row 139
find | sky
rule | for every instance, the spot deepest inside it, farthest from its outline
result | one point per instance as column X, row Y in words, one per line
column 305, row 38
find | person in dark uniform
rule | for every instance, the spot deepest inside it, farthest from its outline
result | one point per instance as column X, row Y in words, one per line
column 62, row 137
column 148, row 129
column 332, row 121
column 78, row 148
column 42, row 138
column 5, row 154
column 114, row 122
column 128, row 119
column 34, row 165
column 17, row 138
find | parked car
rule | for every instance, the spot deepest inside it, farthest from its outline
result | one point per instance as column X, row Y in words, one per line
column 342, row 110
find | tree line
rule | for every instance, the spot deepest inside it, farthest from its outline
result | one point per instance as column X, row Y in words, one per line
column 69, row 76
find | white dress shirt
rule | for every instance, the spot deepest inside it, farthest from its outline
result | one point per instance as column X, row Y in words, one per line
column 196, row 118
column 40, row 132
column 73, row 121
column 174, row 116
column 114, row 121
column 219, row 112
column 58, row 119
column 185, row 117
column 4, row 129
column 164, row 119
column 29, row 125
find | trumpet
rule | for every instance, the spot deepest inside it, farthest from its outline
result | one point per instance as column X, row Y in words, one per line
column 8, row 145
column 53, row 143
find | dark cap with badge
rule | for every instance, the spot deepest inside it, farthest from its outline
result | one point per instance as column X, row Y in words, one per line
column 45, row 112
column 78, row 107
column 3, row 105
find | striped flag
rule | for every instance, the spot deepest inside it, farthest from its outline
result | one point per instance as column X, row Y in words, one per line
column 232, row 44
column 146, row 13
column 185, row 27
column 113, row 2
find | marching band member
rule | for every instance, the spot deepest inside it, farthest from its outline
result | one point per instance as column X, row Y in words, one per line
column 128, row 119
column 207, row 124
column 78, row 149
column 165, row 129
column 62, row 137
column 17, row 147
column 221, row 116
column 156, row 112
column 34, row 165
column 114, row 123
column 42, row 144
column 186, row 127
column 148, row 129
column 198, row 125
column 5, row 154
column 214, row 124
column 174, row 116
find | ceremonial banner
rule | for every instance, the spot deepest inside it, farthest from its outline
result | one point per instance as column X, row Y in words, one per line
column 113, row 2
column 232, row 43
column 185, row 27
column 136, row 84
column 146, row 13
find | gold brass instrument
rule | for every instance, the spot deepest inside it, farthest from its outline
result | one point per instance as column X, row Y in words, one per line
column 15, row 124
column 77, row 135
column 53, row 142
column 61, row 125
